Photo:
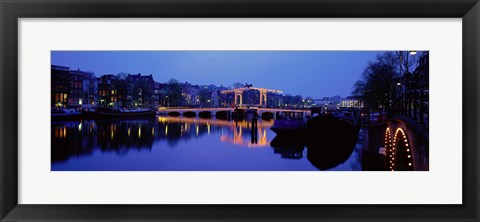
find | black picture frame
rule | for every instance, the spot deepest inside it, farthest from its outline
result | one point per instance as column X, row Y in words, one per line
column 11, row 11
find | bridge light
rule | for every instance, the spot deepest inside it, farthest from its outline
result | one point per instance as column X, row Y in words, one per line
column 410, row 164
column 409, row 156
column 408, row 150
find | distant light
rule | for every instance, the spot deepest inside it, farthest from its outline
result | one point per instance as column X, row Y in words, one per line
column 399, row 84
column 413, row 52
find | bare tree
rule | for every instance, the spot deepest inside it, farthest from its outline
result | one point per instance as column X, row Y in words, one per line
column 378, row 85
column 406, row 61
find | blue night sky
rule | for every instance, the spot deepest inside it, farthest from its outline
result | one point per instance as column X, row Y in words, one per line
column 308, row 73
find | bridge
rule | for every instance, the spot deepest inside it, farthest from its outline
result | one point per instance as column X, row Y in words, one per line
column 404, row 137
column 238, row 92
column 192, row 112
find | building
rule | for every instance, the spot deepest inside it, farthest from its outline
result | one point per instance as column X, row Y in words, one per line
column 156, row 94
column 90, row 90
column 107, row 94
column 328, row 103
column 140, row 91
column 75, row 98
column 352, row 102
column 66, row 87
column 190, row 94
column 60, row 80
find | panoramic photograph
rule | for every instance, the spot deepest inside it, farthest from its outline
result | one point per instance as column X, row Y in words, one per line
column 236, row 110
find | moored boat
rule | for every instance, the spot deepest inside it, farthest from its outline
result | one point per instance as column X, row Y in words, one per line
column 65, row 115
column 288, row 126
column 109, row 113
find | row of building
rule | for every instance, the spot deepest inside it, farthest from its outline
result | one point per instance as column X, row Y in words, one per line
column 76, row 88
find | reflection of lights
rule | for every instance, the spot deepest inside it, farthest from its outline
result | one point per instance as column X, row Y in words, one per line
column 80, row 127
column 128, row 131
column 162, row 119
column 64, row 132
column 139, row 132
column 111, row 134
column 236, row 127
column 153, row 131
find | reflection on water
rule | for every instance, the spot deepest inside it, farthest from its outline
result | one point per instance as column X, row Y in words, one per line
column 177, row 143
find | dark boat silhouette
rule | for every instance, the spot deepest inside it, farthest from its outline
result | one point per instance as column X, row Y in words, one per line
column 65, row 115
column 109, row 113
column 329, row 141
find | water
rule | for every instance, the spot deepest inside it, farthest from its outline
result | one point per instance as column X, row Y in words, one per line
column 185, row 144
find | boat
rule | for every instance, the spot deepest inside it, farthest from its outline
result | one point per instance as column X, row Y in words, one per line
column 112, row 113
column 289, row 127
column 330, row 141
column 65, row 115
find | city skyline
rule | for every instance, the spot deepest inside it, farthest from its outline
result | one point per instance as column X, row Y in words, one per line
column 323, row 73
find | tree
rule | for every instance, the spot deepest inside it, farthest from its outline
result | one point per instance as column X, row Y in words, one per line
column 204, row 96
column 405, row 61
column 238, row 85
column 378, row 85
column 174, row 93
column 297, row 100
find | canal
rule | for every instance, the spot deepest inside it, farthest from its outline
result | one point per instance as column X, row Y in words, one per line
column 193, row 144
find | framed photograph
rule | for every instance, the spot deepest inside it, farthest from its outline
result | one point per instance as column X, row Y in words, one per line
column 227, row 110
